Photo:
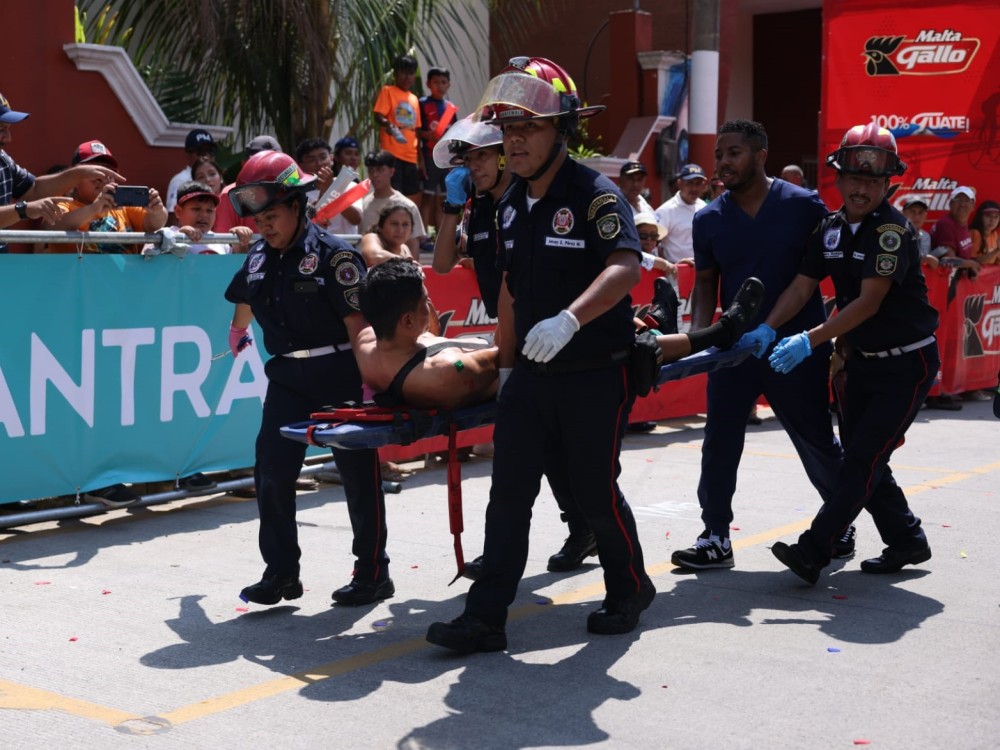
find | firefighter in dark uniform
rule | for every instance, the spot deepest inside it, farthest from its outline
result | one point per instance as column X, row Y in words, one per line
column 473, row 152
column 885, row 329
column 571, row 254
column 301, row 286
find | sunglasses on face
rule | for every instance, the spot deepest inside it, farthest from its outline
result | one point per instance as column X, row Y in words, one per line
column 649, row 236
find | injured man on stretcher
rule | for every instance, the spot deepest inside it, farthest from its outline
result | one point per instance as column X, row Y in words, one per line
column 405, row 365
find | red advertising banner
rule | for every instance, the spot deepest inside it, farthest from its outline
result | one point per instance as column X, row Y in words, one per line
column 929, row 71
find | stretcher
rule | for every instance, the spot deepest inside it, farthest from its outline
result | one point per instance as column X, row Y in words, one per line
column 373, row 427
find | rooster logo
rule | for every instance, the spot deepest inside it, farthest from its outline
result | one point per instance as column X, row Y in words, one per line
column 877, row 50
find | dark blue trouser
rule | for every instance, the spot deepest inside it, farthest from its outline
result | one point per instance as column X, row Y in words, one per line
column 296, row 388
column 882, row 398
column 800, row 400
column 575, row 420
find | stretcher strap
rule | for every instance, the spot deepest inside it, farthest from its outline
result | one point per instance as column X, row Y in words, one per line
column 455, row 522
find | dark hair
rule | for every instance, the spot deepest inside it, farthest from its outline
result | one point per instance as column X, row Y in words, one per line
column 211, row 162
column 379, row 159
column 310, row 144
column 390, row 290
column 404, row 63
column 977, row 220
column 436, row 71
column 390, row 208
column 752, row 132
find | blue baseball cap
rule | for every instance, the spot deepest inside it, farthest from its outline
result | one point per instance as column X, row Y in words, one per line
column 691, row 172
column 7, row 114
column 346, row 142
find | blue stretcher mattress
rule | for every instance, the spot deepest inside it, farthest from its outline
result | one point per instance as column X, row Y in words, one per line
column 365, row 434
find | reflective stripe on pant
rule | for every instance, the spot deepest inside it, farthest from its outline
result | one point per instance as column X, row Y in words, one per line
column 576, row 420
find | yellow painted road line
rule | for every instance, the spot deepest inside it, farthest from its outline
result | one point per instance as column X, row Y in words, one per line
column 14, row 696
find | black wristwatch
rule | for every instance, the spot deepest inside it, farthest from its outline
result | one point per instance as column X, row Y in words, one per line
column 452, row 208
column 22, row 209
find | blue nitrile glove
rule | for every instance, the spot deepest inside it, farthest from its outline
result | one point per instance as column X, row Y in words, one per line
column 760, row 338
column 549, row 336
column 456, row 184
column 789, row 352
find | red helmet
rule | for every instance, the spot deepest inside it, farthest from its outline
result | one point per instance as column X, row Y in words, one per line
column 267, row 177
column 867, row 149
column 530, row 88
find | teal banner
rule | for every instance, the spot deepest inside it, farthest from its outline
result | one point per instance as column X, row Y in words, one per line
column 107, row 372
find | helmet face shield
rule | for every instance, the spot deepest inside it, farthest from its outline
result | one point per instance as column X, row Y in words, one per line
column 514, row 97
column 465, row 136
column 866, row 160
column 251, row 199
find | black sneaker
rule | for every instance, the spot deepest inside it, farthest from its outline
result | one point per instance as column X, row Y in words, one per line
column 663, row 312
column 617, row 617
column 574, row 551
column 792, row 557
column 473, row 569
column 709, row 551
column 744, row 308
column 115, row 496
column 844, row 546
column 364, row 592
column 195, row 483
column 893, row 559
column 944, row 402
column 466, row 634
column 272, row 589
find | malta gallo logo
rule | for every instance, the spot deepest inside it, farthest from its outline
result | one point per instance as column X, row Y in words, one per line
column 930, row 53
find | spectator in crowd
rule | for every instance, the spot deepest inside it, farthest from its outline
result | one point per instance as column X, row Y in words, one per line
column 885, row 327
column 915, row 210
column 24, row 196
column 436, row 115
column 208, row 172
column 380, row 166
column 346, row 153
column 93, row 207
column 199, row 143
column 632, row 183
column 793, row 173
column 389, row 235
column 984, row 233
column 397, row 112
column 758, row 227
column 226, row 217
column 677, row 214
column 195, row 213
column 651, row 233
column 716, row 187
column 315, row 157
column 301, row 285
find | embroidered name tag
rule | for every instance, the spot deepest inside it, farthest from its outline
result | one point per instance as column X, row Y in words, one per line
column 562, row 242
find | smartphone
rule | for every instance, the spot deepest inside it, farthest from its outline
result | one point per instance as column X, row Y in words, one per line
column 132, row 195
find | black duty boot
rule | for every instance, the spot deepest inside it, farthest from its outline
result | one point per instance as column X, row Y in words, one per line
column 466, row 634
column 578, row 546
column 272, row 589
column 617, row 617
column 364, row 592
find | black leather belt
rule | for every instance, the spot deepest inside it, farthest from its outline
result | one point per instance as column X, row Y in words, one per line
column 575, row 365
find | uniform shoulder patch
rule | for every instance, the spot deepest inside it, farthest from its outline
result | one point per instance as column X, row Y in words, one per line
column 341, row 256
column 609, row 226
column 351, row 296
column 885, row 265
column 346, row 273
column 890, row 237
column 601, row 200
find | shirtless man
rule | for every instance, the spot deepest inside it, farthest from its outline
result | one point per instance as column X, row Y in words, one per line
column 452, row 373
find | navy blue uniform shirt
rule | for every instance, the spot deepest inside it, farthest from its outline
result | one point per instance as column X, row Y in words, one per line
column 481, row 246
column 884, row 246
column 554, row 252
column 769, row 246
column 300, row 298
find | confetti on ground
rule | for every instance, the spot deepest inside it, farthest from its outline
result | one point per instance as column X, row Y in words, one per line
column 242, row 609
column 946, row 526
column 734, row 528
column 105, row 592
column 962, row 554
column 43, row 583
column 414, row 567
column 839, row 596
column 543, row 601
column 667, row 535
column 862, row 742
column 833, row 649
column 73, row 638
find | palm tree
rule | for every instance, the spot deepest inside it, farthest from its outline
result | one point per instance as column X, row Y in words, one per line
column 291, row 67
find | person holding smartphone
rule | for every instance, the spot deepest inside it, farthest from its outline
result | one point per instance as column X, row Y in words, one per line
column 95, row 206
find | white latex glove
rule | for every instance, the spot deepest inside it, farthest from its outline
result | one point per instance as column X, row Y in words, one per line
column 504, row 374
column 547, row 338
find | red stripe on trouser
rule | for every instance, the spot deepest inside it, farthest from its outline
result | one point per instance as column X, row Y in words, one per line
column 616, row 449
